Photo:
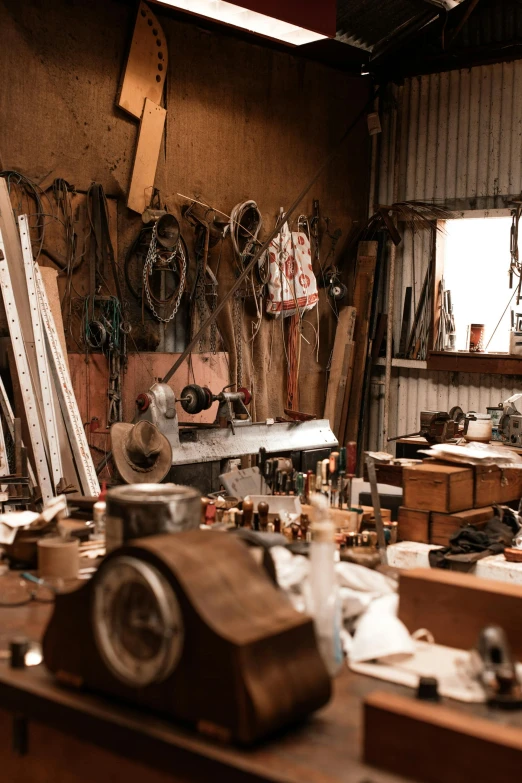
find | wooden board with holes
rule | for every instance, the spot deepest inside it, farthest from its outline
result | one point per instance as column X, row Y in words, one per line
column 362, row 300
column 146, row 66
column 146, row 159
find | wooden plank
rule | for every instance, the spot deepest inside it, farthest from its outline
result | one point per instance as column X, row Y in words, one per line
column 362, row 300
column 456, row 606
column 146, row 160
column 496, row 364
column 431, row 743
column 146, row 65
column 340, row 367
column 50, row 281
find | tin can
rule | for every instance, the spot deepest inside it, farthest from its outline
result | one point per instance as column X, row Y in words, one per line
column 476, row 338
column 139, row 510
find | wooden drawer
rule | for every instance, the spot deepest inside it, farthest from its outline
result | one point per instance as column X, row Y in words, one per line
column 443, row 526
column 438, row 487
column 413, row 525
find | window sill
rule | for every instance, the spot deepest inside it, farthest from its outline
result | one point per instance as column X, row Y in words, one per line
column 492, row 363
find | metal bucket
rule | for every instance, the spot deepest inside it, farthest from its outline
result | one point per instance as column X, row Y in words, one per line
column 137, row 510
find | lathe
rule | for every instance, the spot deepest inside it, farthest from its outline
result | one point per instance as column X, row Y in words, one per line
column 200, row 453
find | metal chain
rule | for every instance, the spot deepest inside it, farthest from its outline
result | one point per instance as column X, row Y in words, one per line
column 152, row 258
column 202, row 312
column 213, row 326
column 238, row 334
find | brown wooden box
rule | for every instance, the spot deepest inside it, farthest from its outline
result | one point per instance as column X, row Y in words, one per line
column 438, row 487
column 496, row 485
column 413, row 525
column 455, row 606
column 443, row 526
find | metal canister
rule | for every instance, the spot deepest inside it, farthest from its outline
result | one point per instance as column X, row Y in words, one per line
column 138, row 510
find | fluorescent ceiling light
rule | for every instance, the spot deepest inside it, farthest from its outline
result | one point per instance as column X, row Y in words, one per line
column 235, row 15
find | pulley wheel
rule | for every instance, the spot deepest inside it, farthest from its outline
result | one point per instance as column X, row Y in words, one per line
column 194, row 399
column 337, row 291
column 209, row 396
column 246, row 395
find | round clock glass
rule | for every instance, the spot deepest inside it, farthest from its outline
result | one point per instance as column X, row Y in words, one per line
column 137, row 621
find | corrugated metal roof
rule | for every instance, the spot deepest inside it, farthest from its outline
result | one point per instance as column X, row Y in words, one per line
column 365, row 23
column 488, row 31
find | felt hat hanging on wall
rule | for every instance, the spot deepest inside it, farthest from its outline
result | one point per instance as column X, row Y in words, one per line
column 142, row 454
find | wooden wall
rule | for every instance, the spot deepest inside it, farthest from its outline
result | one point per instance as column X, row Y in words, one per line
column 244, row 121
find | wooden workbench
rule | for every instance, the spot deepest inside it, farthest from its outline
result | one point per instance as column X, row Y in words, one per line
column 75, row 737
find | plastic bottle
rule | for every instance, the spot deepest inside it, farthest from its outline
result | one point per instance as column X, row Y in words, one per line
column 324, row 598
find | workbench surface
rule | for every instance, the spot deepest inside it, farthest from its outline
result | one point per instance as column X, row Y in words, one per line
column 76, row 737
column 326, row 749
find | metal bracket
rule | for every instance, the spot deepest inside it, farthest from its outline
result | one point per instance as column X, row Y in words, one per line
column 68, row 404
column 24, row 377
column 49, row 413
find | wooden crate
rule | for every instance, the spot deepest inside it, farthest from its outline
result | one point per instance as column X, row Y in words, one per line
column 456, row 606
column 443, row 526
column 430, row 743
column 414, row 525
column 496, row 485
column 438, row 487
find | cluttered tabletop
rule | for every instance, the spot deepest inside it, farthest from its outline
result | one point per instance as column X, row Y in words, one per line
column 326, row 748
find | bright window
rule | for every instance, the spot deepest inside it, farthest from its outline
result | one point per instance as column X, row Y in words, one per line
column 476, row 264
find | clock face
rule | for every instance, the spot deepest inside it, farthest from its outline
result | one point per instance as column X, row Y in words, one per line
column 137, row 621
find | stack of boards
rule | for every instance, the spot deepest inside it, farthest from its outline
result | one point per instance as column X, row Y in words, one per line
column 51, row 423
column 441, row 498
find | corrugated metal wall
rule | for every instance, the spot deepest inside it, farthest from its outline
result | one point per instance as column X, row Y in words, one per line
column 461, row 145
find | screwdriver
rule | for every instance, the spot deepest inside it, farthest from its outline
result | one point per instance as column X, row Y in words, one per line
column 342, row 473
column 333, row 468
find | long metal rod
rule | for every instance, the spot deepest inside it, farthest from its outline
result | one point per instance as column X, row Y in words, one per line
column 391, row 280
column 253, row 261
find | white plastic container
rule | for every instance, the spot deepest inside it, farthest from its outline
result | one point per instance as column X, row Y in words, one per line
column 324, row 598
column 478, row 427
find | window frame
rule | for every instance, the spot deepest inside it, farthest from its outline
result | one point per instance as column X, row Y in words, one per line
column 459, row 361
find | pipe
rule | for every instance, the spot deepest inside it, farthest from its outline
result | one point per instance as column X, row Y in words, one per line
column 391, row 277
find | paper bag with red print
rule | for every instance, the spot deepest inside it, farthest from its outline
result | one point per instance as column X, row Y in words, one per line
column 292, row 287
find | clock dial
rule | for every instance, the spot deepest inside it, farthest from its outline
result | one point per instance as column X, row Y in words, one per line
column 137, row 621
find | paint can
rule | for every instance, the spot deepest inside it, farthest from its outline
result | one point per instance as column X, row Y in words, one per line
column 139, row 510
column 476, row 338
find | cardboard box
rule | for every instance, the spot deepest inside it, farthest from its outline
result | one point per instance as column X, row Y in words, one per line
column 438, row 487
column 443, row 526
column 413, row 525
